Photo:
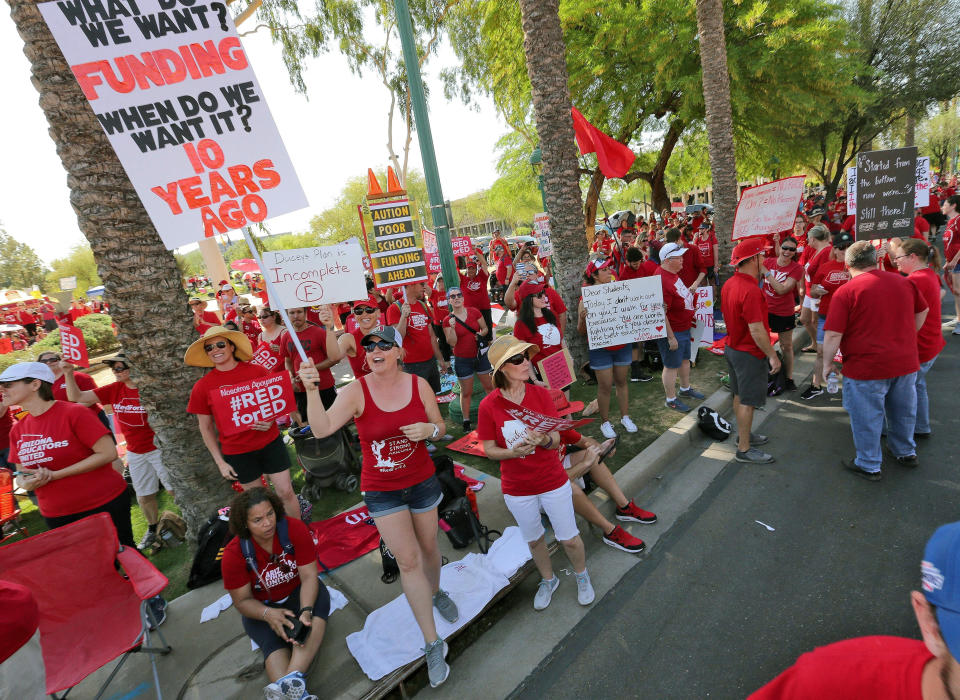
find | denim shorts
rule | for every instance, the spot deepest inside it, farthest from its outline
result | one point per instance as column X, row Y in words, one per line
column 673, row 359
column 821, row 322
column 466, row 367
column 605, row 359
column 419, row 498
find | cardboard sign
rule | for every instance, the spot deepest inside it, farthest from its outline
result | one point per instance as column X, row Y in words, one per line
column 886, row 188
column 537, row 421
column 73, row 348
column 768, row 208
column 173, row 89
column 627, row 311
column 267, row 358
column 238, row 406
column 557, row 369
column 469, row 444
column 541, row 229
column 68, row 283
column 462, row 246
column 431, row 252
column 701, row 333
column 396, row 254
column 921, row 196
column 320, row 275
column 678, row 207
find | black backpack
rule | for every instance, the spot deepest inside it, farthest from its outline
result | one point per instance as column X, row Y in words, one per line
column 453, row 487
column 211, row 540
column 463, row 526
column 713, row 424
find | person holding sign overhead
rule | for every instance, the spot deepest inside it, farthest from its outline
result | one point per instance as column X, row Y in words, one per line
column 462, row 326
column 396, row 413
column 412, row 321
column 320, row 345
column 248, row 455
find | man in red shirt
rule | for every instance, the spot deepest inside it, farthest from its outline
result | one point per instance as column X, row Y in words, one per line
column 421, row 351
column 874, row 319
column 320, row 345
column 892, row 668
column 748, row 348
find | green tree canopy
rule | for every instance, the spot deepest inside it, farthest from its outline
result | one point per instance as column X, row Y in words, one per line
column 80, row 263
column 20, row 266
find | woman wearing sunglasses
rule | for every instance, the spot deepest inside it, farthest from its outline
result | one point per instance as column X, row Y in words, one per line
column 396, row 413
column 537, row 324
column 781, row 280
column 531, row 474
column 271, row 328
column 367, row 314
column 253, row 453
column 461, row 327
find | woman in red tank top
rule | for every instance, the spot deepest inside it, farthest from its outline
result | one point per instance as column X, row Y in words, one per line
column 395, row 413
column 367, row 313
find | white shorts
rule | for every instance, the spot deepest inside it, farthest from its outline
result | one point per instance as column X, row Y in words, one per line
column 811, row 303
column 146, row 473
column 557, row 504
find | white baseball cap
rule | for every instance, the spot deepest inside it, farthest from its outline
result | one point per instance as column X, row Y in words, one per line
column 28, row 370
column 672, row 250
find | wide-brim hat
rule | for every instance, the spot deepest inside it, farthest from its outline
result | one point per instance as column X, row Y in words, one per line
column 563, row 405
column 505, row 347
column 196, row 356
column 747, row 248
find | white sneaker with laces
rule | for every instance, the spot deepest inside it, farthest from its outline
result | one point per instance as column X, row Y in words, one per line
column 627, row 423
column 545, row 592
column 608, row 431
column 585, row 594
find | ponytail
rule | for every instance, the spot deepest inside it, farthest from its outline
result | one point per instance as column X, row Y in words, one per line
column 926, row 253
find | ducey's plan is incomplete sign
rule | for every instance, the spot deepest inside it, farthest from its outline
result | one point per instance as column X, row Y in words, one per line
column 396, row 254
column 173, row 89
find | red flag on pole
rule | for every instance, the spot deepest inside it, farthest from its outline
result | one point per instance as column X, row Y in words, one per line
column 613, row 157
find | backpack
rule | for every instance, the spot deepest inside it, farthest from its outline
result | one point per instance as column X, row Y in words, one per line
column 713, row 424
column 250, row 555
column 453, row 487
column 463, row 527
column 391, row 570
column 171, row 529
column 211, row 540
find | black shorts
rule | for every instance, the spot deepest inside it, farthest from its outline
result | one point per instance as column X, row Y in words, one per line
column 748, row 377
column 261, row 632
column 935, row 218
column 781, row 324
column 270, row 459
column 712, row 273
column 327, row 397
column 118, row 509
column 428, row 370
column 488, row 318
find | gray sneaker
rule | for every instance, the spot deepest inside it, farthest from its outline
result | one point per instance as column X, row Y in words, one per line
column 545, row 592
column 148, row 540
column 756, row 439
column 286, row 689
column 437, row 667
column 690, row 393
column 445, row 606
column 753, row 456
column 676, row 404
column 585, row 594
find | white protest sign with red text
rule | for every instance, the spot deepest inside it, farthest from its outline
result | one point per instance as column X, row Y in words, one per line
column 461, row 245
column 768, row 208
column 430, row 252
column 172, row 87
column 238, row 406
column 266, row 358
column 537, row 421
column 73, row 348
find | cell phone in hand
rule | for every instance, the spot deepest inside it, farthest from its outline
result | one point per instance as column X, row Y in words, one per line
column 300, row 632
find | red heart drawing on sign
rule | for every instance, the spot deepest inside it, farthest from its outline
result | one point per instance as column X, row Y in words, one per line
column 659, row 328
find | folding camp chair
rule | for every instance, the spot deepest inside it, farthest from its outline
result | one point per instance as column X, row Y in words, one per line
column 90, row 612
column 10, row 522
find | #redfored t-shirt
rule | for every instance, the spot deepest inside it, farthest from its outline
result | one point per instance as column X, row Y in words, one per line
column 416, row 341
column 678, row 301
column 130, row 414
column 277, row 572
column 875, row 313
column 60, row 437
column 930, row 339
column 201, row 400
column 536, row 473
column 742, row 303
column 781, row 304
column 314, row 341
column 831, row 276
column 466, row 341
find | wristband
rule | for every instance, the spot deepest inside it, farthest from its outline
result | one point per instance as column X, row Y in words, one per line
column 308, row 608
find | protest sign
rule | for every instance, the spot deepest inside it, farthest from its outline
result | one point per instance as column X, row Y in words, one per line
column 431, row 252
column 68, row 283
column 319, row 275
column 677, row 207
column 461, row 245
column 397, row 256
column 624, row 312
column 537, row 421
column 541, row 229
column 173, row 89
column 236, row 407
column 557, row 369
column 73, row 348
column 852, row 190
column 921, row 197
column 701, row 333
column 886, row 188
column 768, row 208
column 469, row 444
column 266, row 358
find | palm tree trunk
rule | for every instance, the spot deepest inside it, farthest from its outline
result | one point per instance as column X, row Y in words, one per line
column 719, row 118
column 142, row 282
column 545, row 52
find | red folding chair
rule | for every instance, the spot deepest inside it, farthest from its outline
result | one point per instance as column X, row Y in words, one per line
column 10, row 523
column 90, row 612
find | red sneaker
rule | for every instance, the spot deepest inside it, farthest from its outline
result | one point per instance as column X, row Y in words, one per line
column 621, row 539
column 632, row 513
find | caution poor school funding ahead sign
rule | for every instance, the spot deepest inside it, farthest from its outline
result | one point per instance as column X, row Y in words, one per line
column 396, row 253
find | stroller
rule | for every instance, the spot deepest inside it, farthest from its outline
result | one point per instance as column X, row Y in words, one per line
column 329, row 461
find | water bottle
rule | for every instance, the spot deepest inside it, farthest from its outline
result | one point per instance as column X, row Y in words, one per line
column 833, row 383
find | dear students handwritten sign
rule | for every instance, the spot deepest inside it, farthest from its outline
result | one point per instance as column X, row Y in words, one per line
column 171, row 85
column 624, row 312
column 319, row 275
column 886, row 187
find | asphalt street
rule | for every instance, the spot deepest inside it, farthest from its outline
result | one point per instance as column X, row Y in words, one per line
column 723, row 604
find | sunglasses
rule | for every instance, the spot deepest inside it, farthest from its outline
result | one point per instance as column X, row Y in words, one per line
column 361, row 310
column 117, row 370
column 265, row 315
column 455, row 295
column 792, row 250
column 540, row 295
column 221, row 344
column 516, row 359
column 373, row 345
column 50, row 360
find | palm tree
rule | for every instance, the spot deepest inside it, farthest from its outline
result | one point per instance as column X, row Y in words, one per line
column 545, row 52
column 716, row 99
column 140, row 275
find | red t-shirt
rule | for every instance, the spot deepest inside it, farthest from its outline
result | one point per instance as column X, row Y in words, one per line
column 416, row 341
column 19, row 618
column 26, row 318
column 704, row 248
column 743, row 303
column 252, row 330
column 849, row 223
column 555, row 301
column 504, row 269
column 84, row 383
column 358, row 363
column 546, row 337
column 831, row 276
column 644, row 269
column 951, row 239
column 536, row 473
column 279, row 583
column 678, row 301
column 604, row 245
column 691, row 265
column 474, row 290
column 875, row 313
column 811, row 261
column 314, row 342
column 208, row 319
column 130, row 414
column 466, row 341
column 59, row 438
column 878, row 668
column 781, row 304
column 201, row 400
column 439, row 306
column 921, row 226
column 930, row 339
column 6, row 422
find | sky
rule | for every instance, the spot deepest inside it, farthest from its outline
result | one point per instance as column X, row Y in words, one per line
column 337, row 133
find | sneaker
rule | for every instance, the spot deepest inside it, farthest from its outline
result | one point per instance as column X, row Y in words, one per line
column 690, row 393
column 545, row 592
column 632, row 513
column 158, row 606
column 467, row 427
column 811, row 392
column 677, row 405
column 756, row 439
column 628, row 424
column 956, row 330
column 437, row 667
column 753, row 456
column 585, row 594
column 148, row 541
column 908, row 461
column 290, row 687
column 637, row 374
column 623, row 540
column 608, row 431
column 851, row 465
column 445, row 606
column 789, row 385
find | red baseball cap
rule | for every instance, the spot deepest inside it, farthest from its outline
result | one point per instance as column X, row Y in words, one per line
column 746, row 248
column 596, row 265
column 527, row 289
column 369, row 302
